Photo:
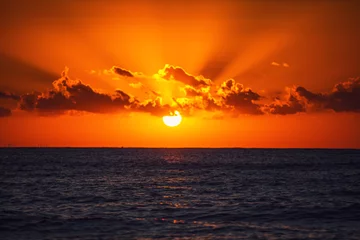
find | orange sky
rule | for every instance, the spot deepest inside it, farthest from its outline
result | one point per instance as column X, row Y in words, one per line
column 242, row 73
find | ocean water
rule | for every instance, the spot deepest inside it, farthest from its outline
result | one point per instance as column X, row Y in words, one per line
column 54, row 193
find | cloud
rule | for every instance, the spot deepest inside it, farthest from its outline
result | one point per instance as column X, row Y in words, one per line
column 28, row 101
column 70, row 94
column 198, row 94
column 290, row 106
column 122, row 72
column 73, row 95
column 5, row 95
column 193, row 92
column 210, row 104
column 154, row 107
column 345, row 97
column 241, row 99
column 276, row 64
column 5, row 112
column 204, row 102
column 170, row 72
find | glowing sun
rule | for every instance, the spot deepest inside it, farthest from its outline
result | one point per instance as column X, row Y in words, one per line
column 173, row 120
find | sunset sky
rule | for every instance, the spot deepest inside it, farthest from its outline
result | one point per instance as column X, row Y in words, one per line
column 241, row 73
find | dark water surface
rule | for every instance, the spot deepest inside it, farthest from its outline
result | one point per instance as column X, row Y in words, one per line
column 179, row 194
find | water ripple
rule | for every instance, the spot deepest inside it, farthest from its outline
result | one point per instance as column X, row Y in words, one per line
column 179, row 194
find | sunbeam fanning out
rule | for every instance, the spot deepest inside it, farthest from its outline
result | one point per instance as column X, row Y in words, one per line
column 241, row 73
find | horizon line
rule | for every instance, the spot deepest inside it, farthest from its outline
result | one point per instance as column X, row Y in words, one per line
column 123, row 147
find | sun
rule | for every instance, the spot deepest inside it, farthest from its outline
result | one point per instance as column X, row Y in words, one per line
column 173, row 120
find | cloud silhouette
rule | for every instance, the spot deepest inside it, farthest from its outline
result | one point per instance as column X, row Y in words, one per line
column 122, row 72
column 239, row 98
column 345, row 97
column 154, row 107
column 198, row 94
column 70, row 94
column 291, row 106
column 5, row 95
column 170, row 72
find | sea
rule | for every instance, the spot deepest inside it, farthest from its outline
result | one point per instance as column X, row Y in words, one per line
column 130, row 193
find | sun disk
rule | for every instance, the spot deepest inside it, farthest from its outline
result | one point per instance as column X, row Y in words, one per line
column 173, row 120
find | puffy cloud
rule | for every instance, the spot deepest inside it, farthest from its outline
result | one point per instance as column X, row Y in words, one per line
column 73, row 95
column 4, row 112
column 198, row 94
column 170, row 72
column 70, row 94
column 154, row 107
column 5, row 95
column 345, row 97
column 239, row 98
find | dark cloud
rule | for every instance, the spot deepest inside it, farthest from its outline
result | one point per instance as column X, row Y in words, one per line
column 313, row 97
column 291, row 106
column 179, row 74
column 345, row 97
column 122, row 72
column 154, row 107
column 4, row 112
column 210, row 104
column 28, row 101
column 5, row 95
column 230, row 97
column 240, row 98
column 69, row 94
